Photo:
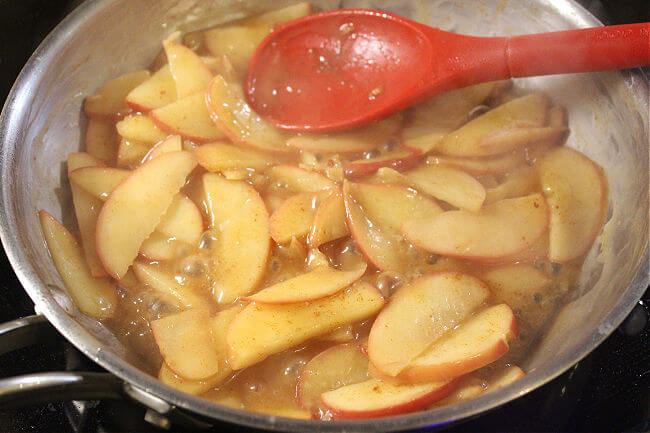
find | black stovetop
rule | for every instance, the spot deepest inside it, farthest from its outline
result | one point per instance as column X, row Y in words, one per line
column 608, row 391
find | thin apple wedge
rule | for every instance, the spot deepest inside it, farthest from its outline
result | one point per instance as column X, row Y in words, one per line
column 475, row 343
column 101, row 141
column 424, row 310
column 374, row 398
column 498, row 164
column 109, row 101
column 186, row 345
column 217, row 157
column 375, row 213
column 294, row 217
column 310, row 286
column 170, row 144
column 131, row 153
column 329, row 221
column 456, row 187
column 238, row 214
column 190, row 74
column 155, row 92
column 188, row 117
column 167, row 287
column 139, row 127
column 261, row 330
column 468, row 388
column 338, row 366
column 519, row 182
column 147, row 192
column 82, row 159
column 100, row 182
column 95, row 297
column 293, row 179
column 159, row 247
column 504, row 377
column 400, row 159
column 576, row 190
column 500, row 230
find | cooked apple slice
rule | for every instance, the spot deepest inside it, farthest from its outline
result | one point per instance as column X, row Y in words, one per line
column 510, row 126
column 239, row 39
column 261, row 330
column 519, row 182
column 576, row 190
column 188, row 117
column 329, row 221
column 468, row 388
column 475, row 343
column 424, row 310
column 295, row 215
column 155, row 92
column 497, row 165
column 186, row 345
column 190, row 74
column 147, row 193
column 100, row 182
column 95, row 297
column 356, row 141
column 338, row 366
column 374, row 398
column 82, row 159
column 237, row 212
column 389, row 175
column 131, row 153
column 505, row 377
column 375, row 213
column 316, row 284
column 101, row 141
column 170, row 144
column 293, row 179
column 498, row 231
column 399, row 159
column 217, row 157
column 160, row 247
column 456, row 187
column 434, row 118
column 230, row 111
column 141, row 128
column 164, row 284
column 109, row 101
column 129, row 281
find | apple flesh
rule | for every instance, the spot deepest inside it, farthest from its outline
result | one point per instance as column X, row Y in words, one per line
column 187, row 117
column 167, row 287
column 295, row 216
column 155, row 92
column 100, row 182
column 399, row 159
column 190, row 74
column 329, row 221
column 109, row 101
column 141, row 128
column 131, row 153
column 468, row 388
column 101, row 141
column 456, row 187
column 505, row 377
column 170, row 144
column 293, row 179
column 497, row 165
column 216, row 157
column 520, row 182
column 424, row 310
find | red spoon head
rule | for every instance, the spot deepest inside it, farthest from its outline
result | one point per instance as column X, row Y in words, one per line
column 335, row 70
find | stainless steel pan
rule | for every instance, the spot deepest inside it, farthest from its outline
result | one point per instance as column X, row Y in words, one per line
column 42, row 122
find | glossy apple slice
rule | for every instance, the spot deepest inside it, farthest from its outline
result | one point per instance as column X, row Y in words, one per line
column 170, row 144
column 139, row 127
column 261, row 330
column 238, row 214
column 293, row 179
column 160, row 247
column 399, row 159
column 95, row 297
column 217, row 157
column 338, row 366
column 147, row 193
column 230, row 111
column 78, row 160
column 155, row 92
column 101, row 141
column 424, row 310
column 190, row 74
column 98, row 181
column 498, row 231
column 468, row 388
column 109, row 101
column 131, row 153
column 329, row 221
column 375, row 213
column 374, row 398
column 498, row 164
column 520, row 182
column 188, row 117
column 505, row 377
column 315, row 284
column 576, row 190
column 165, row 285
column 295, row 216
column 456, row 187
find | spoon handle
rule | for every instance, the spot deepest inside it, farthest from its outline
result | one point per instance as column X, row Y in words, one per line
column 585, row 50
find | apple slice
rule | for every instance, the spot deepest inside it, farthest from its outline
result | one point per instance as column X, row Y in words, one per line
column 82, row 159
column 374, row 398
column 424, row 310
column 375, row 213
column 95, row 297
column 170, row 144
column 261, row 330
column 109, row 101
column 190, row 74
column 329, row 221
column 147, row 193
column 160, row 247
column 456, row 187
column 338, row 366
column 468, row 388
column 316, row 284
column 293, row 179
column 186, row 345
column 356, row 141
column 576, row 190
column 497, row 165
column 100, row 182
column 475, row 343
column 155, row 92
column 131, row 153
column 129, row 281
column 238, row 40
column 389, row 175
column 101, row 141
column 188, row 117
column 505, row 377
column 164, row 284
column 230, row 111
column 521, row 181
column 217, row 157
column 238, row 214
column 399, row 159
column 498, row 231
column 295, row 215
column 141, row 128
column 510, row 126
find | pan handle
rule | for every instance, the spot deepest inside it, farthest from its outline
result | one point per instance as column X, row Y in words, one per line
column 24, row 332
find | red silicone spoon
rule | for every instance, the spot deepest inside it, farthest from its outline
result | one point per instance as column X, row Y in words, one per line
column 346, row 68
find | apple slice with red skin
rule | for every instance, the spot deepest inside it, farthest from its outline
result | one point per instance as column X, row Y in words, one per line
column 400, row 159
column 140, row 128
column 329, row 221
column 295, row 216
column 155, row 92
column 375, row 398
column 101, row 141
column 187, row 117
column 217, row 157
column 577, row 192
column 498, row 164
column 190, row 74
column 497, row 232
column 293, row 179
column 456, row 187
column 338, row 366
column 109, row 101
column 424, row 310
column 168, row 145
